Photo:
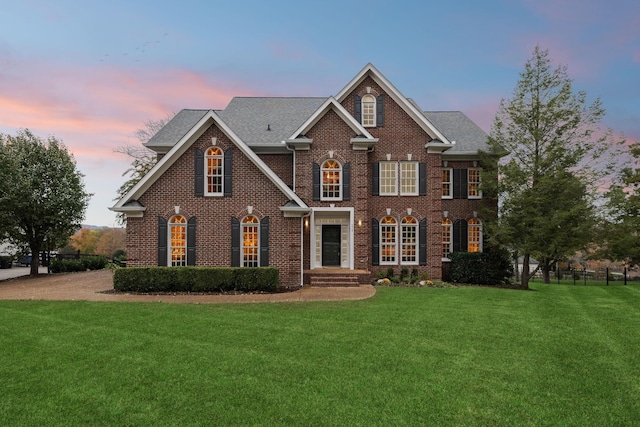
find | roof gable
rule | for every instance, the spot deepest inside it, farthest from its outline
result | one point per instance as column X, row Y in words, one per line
column 409, row 107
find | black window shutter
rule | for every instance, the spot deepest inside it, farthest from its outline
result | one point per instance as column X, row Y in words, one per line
column 375, row 179
column 357, row 108
column 198, row 167
column 264, row 242
column 346, row 181
column 422, row 241
column 380, row 110
column 162, row 241
column 460, row 183
column 422, row 179
column 228, row 172
column 191, row 241
column 316, row 181
column 235, row 242
column 375, row 242
column 460, row 236
column 463, row 183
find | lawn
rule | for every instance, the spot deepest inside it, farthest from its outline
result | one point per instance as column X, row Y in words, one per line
column 558, row 355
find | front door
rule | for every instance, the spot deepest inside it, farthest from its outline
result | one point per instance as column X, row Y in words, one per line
column 331, row 242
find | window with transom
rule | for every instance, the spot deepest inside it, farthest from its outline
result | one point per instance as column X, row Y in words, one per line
column 368, row 110
column 473, row 184
column 331, row 180
column 474, row 242
column 388, row 240
column 447, row 183
column 250, row 241
column 409, row 240
column 447, row 241
column 177, row 241
column 214, row 176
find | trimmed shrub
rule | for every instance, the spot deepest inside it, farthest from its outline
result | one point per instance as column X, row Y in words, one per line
column 195, row 279
column 82, row 264
column 481, row 268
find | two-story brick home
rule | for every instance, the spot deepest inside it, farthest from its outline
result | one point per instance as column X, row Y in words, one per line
column 346, row 185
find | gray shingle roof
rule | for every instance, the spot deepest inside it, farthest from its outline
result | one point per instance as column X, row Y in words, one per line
column 173, row 131
column 456, row 126
column 268, row 121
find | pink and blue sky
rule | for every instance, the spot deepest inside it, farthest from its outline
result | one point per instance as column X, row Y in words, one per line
column 91, row 73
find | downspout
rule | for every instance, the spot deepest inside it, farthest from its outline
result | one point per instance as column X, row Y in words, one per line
column 302, row 248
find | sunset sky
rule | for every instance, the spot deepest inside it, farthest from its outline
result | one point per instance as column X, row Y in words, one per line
column 91, row 73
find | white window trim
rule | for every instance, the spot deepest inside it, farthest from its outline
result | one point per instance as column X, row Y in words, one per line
column 479, row 226
column 450, row 226
column 340, row 183
column 170, row 247
column 244, row 225
column 450, row 182
column 375, row 111
column 206, row 174
column 395, row 244
column 395, row 190
column 415, row 244
column 417, row 179
column 479, row 196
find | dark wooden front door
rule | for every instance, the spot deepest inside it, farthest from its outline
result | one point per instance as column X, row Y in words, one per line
column 331, row 236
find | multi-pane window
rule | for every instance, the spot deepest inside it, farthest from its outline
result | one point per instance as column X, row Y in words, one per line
column 214, row 173
column 473, row 184
column 474, row 235
column 447, row 183
column 388, row 178
column 368, row 110
column 178, row 240
column 331, row 180
column 388, row 240
column 409, row 178
column 447, row 242
column 409, row 240
column 250, row 241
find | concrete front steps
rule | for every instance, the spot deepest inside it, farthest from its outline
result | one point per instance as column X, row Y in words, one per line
column 336, row 277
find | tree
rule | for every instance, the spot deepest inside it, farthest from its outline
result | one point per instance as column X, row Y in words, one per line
column 110, row 241
column 143, row 158
column 546, row 183
column 86, row 240
column 621, row 229
column 42, row 195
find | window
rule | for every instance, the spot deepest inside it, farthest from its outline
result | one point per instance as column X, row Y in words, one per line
column 388, row 178
column 409, row 240
column 214, row 171
column 447, row 183
column 368, row 110
column 177, row 241
column 409, row 178
column 331, row 180
column 473, row 184
column 447, row 242
column 388, row 241
column 474, row 235
column 250, row 241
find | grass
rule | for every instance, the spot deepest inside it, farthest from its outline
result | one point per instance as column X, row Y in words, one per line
column 559, row 355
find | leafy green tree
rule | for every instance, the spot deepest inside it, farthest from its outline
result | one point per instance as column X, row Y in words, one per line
column 553, row 159
column 621, row 230
column 42, row 195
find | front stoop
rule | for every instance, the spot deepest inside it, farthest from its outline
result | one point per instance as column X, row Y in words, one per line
column 336, row 277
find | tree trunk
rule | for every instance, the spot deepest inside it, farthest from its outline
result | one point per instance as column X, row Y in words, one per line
column 524, row 276
column 546, row 268
column 516, row 267
column 35, row 260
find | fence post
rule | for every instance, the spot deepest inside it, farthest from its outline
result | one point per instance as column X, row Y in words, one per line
column 625, row 275
column 607, row 273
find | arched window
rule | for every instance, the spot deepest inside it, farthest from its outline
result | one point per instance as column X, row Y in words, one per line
column 214, row 175
column 250, row 241
column 177, row 241
column 331, row 180
column 409, row 240
column 368, row 110
column 447, row 241
column 474, row 235
column 388, row 240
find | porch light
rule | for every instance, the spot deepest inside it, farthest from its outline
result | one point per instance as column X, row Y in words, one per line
column 359, row 223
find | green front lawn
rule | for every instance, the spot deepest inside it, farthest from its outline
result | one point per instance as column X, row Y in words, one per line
column 559, row 355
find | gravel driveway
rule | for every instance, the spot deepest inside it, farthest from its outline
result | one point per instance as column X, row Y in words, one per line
column 98, row 286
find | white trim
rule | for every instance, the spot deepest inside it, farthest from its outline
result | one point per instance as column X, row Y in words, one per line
column 206, row 172
column 415, row 245
column 450, row 196
column 349, row 223
column 479, row 196
column 375, row 110
column 396, row 260
column 417, row 178
column 394, row 192
column 340, row 180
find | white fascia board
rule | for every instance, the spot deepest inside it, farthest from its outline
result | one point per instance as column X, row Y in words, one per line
column 331, row 103
column 394, row 93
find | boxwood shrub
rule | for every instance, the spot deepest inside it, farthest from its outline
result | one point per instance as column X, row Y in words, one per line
column 82, row 264
column 479, row 268
column 196, row 279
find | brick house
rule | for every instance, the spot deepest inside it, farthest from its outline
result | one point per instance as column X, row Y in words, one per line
column 344, row 187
